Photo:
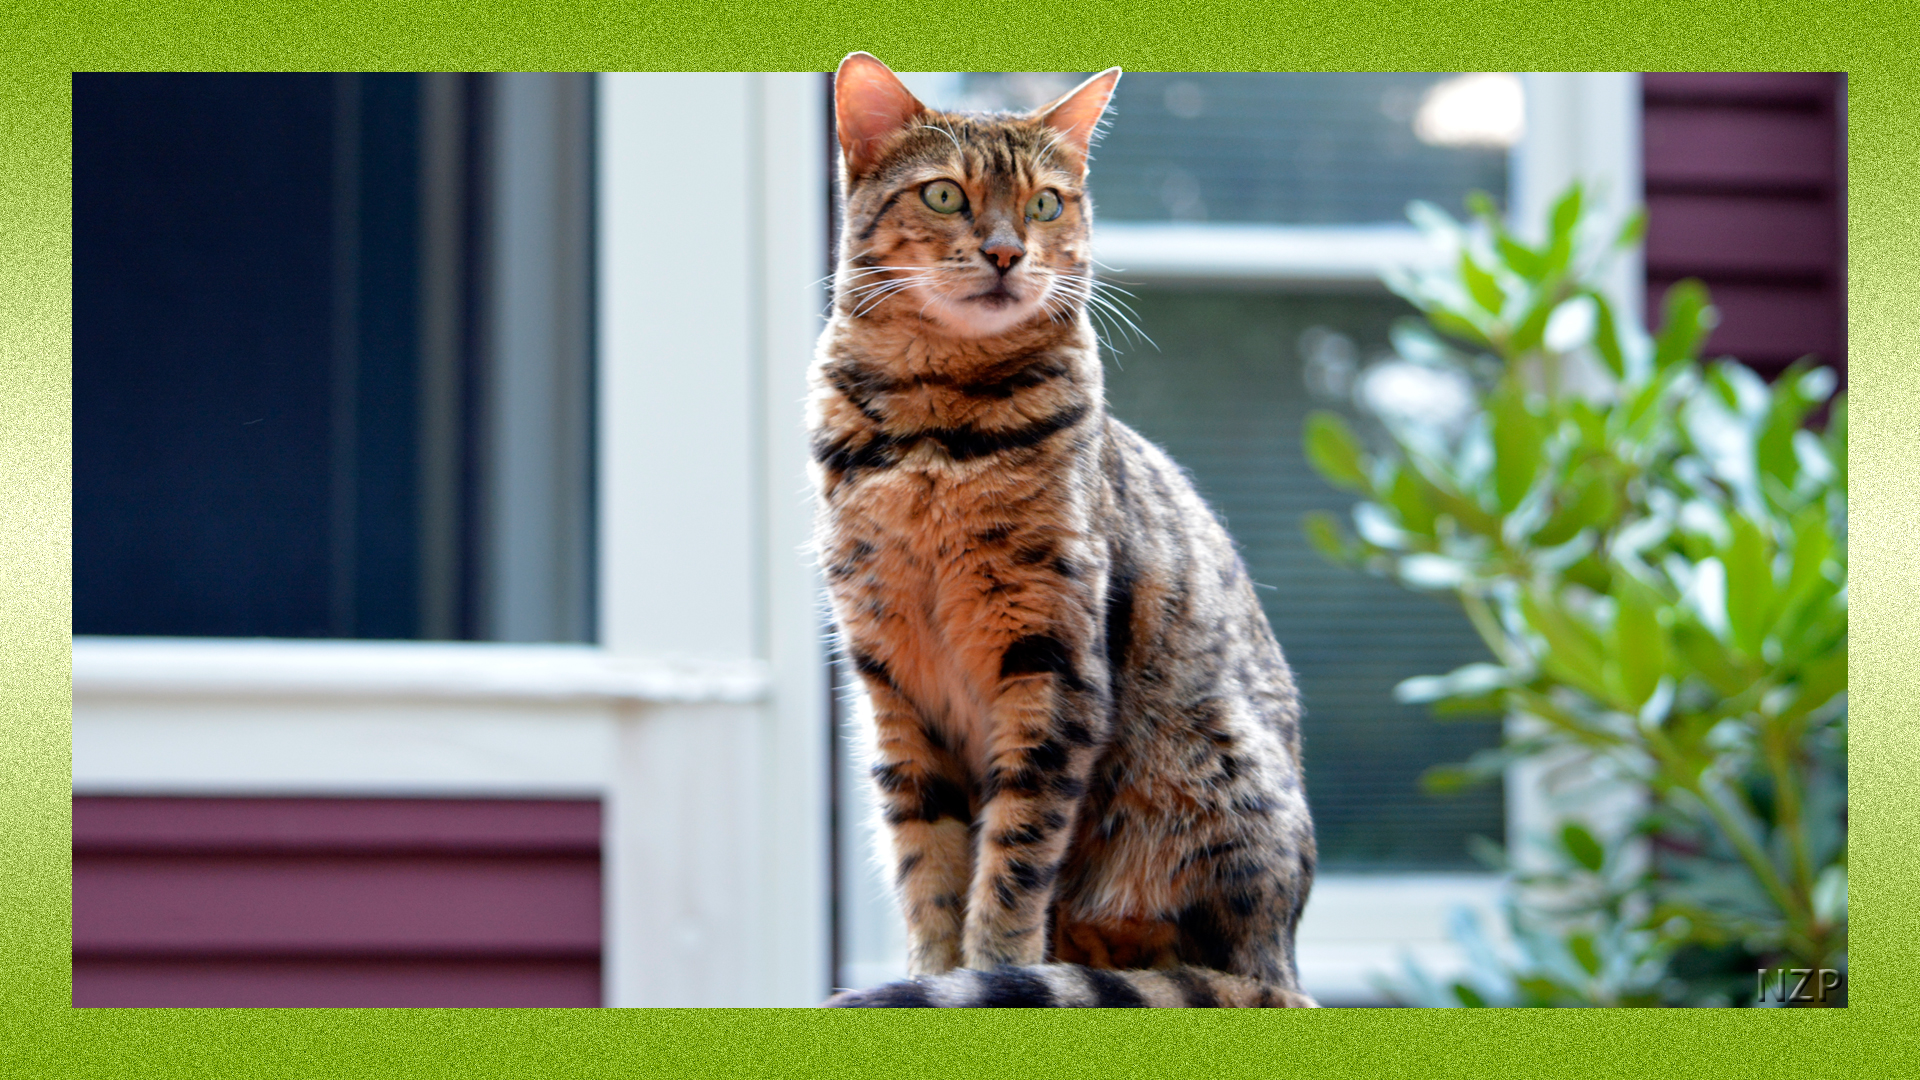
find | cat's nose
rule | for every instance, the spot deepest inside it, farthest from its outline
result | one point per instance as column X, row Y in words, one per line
column 1003, row 250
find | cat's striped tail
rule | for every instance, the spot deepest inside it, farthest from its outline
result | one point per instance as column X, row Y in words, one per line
column 1069, row 986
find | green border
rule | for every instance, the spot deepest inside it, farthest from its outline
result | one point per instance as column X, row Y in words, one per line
column 41, row 1036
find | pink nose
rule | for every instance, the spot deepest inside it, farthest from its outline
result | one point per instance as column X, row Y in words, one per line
column 1005, row 249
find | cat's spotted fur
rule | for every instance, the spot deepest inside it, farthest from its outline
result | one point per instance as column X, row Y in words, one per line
column 1085, row 739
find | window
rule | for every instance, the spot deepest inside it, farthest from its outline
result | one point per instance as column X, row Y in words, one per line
column 696, row 717
column 331, row 356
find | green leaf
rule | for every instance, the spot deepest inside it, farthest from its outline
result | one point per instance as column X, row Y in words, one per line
column 1582, row 846
column 1532, row 328
column 1480, row 284
column 1480, row 205
column 1750, row 591
column 1836, row 439
column 1574, row 651
column 1581, row 946
column 1408, row 495
column 1519, row 258
column 1639, row 641
column 1517, row 442
column 1324, row 533
column 1606, row 336
column 1469, row 996
column 1689, row 319
column 1446, row 779
column 1566, row 213
column 1589, row 503
column 1541, row 991
column 1456, row 325
column 1335, row 452
column 1818, row 683
column 1812, row 544
column 1634, row 229
column 1788, row 406
column 1709, row 658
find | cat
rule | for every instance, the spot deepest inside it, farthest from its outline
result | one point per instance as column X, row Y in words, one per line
column 1084, row 739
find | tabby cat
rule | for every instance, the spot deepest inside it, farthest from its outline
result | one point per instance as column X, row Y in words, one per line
column 1085, row 740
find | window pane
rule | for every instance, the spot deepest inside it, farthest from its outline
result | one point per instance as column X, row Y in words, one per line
column 332, row 356
column 1283, row 147
column 1226, row 394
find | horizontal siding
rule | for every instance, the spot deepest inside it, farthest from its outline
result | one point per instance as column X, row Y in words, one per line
column 231, row 901
column 175, row 825
column 1745, row 188
column 281, row 982
column 1740, row 237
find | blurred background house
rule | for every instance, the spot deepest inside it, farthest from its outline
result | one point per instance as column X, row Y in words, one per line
column 443, row 630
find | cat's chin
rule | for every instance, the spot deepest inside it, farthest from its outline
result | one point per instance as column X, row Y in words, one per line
column 983, row 316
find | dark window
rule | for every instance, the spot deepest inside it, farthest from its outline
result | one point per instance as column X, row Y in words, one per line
column 300, row 352
column 1226, row 393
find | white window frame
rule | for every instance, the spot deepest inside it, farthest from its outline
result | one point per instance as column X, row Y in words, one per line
column 700, row 718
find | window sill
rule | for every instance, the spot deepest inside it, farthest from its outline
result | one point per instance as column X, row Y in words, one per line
column 1345, row 255
column 142, row 667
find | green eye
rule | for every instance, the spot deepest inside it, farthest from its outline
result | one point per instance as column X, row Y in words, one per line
column 1044, row 206
column 944, row 196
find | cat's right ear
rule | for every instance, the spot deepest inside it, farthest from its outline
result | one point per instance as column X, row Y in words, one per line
column 869, row 104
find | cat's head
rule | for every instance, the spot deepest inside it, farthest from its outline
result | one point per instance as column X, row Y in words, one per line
column 977, row 221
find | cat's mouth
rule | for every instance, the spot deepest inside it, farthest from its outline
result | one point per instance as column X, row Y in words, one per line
column 996, row 297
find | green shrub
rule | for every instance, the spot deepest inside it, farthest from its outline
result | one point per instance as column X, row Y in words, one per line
column 1653, row 548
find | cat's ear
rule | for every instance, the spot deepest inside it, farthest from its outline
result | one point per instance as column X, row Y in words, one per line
column 1076, row 114
column 869, row 104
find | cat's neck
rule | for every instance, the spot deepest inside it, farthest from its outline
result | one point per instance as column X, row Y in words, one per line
column 912, row 345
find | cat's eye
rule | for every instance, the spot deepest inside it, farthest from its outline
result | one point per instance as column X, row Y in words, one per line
column 944, row 196
column 1044, row 206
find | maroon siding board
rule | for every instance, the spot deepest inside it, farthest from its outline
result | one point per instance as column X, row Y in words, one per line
column 375, row 983
column 522, row 826
column 1740, row 237
column 228, row 901
column 1745, row 183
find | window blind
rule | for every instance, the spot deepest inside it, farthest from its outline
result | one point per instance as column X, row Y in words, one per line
column 1226, row 394
column 1300, row 148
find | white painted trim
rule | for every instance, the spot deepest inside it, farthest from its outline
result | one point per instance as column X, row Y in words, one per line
column 218, row 668
column 1353, row 255
column 717, row 818
column 791, row 179
column 1585, row 125
column 332, row 747
column 1358, row 928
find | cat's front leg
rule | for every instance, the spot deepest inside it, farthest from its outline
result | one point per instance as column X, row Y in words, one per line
column 1044, row 726
column 928, row 818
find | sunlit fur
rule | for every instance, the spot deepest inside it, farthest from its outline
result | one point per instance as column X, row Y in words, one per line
column 1084, row 740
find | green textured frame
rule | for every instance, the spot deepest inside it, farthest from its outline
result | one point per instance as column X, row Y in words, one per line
column 43, row 42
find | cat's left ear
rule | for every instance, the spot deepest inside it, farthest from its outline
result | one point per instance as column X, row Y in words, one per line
column 1076, row 114
column 870, row 104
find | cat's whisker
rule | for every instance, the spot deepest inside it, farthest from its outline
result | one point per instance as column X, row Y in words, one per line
column 867, row 297
column 948, row 132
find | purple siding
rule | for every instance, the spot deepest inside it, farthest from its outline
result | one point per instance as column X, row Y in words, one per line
column 1746, row 189
column 335, row 902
